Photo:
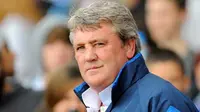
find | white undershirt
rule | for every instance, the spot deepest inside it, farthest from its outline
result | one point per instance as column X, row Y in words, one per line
column 93, row 100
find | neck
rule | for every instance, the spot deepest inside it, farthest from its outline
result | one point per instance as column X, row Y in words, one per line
column 99, row 89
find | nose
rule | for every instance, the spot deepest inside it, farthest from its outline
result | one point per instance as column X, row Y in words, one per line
column 90, row 55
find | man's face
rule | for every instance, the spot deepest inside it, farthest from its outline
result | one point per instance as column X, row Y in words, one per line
column 170, row 71
column 163, row 18
column 100, row 55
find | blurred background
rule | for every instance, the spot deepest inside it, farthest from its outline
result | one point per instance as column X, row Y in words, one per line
column 34, row 45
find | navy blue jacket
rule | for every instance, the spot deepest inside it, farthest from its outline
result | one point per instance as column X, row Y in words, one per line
column 137, row 90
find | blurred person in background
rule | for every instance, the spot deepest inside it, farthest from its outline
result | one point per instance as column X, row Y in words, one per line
column 167, row 65
column 57, row 7
column 18, row 33
column 191, row 28
column 13, row 96
column 55, row 17
column 43, row 5
column 57, row 49
column 164, row 20
column 59, row 95
column 197, row 81
column 6, row 68
column 56, row 52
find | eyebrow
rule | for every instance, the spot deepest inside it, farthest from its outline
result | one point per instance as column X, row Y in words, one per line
column 93, row 41
column 90, row 42
column 78, row 45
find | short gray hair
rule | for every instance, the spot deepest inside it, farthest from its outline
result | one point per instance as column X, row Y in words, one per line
column 109, row 11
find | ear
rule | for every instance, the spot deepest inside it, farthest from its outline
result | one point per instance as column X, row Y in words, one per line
column 130, row 48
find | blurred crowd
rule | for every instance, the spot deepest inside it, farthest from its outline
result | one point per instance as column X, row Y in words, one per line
column 37, row 67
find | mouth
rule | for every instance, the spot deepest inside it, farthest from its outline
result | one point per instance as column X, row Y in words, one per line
column 93, row 68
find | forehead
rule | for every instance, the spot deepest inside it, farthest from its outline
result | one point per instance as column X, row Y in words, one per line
column 161, row 4
column 105, row 31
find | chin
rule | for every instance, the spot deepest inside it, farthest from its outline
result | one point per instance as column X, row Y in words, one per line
column 95, row 83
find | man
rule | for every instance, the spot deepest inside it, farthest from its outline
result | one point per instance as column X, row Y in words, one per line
column 168, row 65
column 107, row 49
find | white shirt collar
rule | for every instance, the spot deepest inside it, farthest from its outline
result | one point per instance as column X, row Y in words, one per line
column 93, row 100
column 105, row 96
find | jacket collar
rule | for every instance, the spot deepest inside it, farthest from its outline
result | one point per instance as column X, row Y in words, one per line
column 131, row 72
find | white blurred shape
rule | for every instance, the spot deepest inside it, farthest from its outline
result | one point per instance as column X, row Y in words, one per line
column 17, row 31
column 191, row 30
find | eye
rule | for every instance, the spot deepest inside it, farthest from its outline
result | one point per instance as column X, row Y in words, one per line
column 80, row 48
column 99, row 44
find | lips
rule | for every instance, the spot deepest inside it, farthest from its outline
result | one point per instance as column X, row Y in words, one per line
column 93, row 68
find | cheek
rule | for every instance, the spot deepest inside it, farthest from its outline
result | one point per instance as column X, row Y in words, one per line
column 103, row 54
column 112, row 58
column 107, row 57
column 80, row 60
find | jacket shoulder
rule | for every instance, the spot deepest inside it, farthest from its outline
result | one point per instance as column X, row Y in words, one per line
column 162, row 95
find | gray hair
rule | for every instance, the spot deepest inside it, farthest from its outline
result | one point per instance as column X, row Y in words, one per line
column 108, row 11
